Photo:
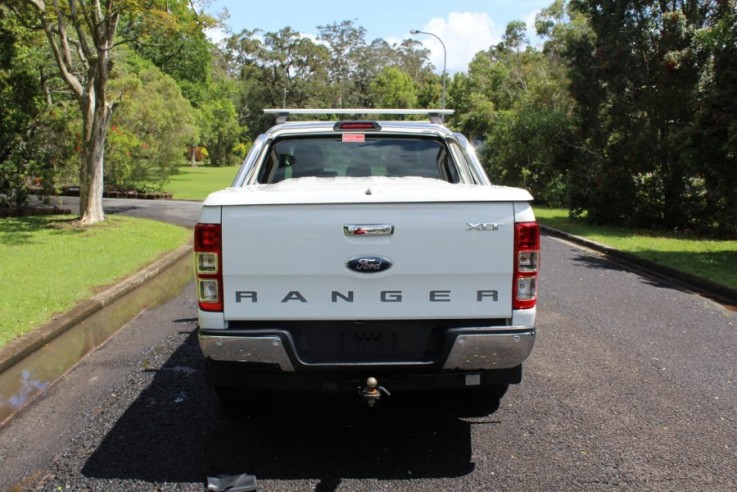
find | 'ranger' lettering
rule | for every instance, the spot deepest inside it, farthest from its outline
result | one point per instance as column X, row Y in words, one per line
column 391, row 296
column 439, row 296
column 246, row 294
column 335, row 295
column 491, row 294
column 294, row 295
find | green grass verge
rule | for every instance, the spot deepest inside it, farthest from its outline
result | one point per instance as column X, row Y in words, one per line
column 709, row 259
column 195, row 183
column 50, row 263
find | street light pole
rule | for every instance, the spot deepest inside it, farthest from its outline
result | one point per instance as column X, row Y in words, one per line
column 445, row 56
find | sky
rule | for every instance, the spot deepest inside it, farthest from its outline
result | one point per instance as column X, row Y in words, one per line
column 465, row 26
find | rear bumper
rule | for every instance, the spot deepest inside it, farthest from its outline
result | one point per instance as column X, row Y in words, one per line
column 473, row 351
column 466, row 349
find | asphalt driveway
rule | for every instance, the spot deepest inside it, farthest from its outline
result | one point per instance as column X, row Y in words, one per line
column 179, row 212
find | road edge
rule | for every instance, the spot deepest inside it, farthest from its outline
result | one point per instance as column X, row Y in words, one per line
column 713, row 290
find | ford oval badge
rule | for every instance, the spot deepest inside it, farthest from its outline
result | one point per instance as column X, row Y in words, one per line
column 369, row 264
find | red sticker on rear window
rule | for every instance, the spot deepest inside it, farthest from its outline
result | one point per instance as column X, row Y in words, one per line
column 354, row 137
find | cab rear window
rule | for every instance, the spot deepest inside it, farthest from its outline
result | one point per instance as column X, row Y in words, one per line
column 358, row 157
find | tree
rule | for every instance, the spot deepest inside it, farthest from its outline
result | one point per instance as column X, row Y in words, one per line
column 82, row 36
column 89, row 45
column 177, row 45
column 152, row 126
column 275, row 68
column 36, row 134
column 372, row 60
column 393, row 88
column 283, row 68
column 714, row 133
column 345, row 42
column 634, row 75
column 219, row 124
column 515, row 106
column 413, row 58
column 527, row 145
column 514, row 35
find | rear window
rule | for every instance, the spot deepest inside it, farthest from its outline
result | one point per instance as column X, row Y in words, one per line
column 359, row 156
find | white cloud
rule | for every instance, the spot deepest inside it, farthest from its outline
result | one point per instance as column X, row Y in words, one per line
column 216, row 34
column 464, row 34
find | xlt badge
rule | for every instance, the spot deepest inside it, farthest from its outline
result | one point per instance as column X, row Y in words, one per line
column 369, row 264
column 482, row 226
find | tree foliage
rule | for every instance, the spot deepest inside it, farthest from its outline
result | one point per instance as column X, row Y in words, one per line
column 514, row 103
column 714, row 134
column 393, row 88
column 284, row 68
column 83, row 35
column 152, row 126
column 36, row 139
column 176, row 43
column 642, row 76
column 626, row 114
column 275, row 68
column 345, row 42
column 218, row 119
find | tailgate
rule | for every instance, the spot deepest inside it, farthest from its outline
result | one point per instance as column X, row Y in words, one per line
column 289, row 262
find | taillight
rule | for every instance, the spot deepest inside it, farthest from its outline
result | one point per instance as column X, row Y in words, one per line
column 208, row 263
column 526, row 263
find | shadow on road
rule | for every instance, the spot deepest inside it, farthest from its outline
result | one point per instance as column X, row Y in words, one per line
column 176, row 432
column 598, row 263
column 122, row 209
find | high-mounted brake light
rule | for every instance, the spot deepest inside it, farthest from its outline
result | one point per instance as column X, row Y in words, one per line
column 526, row 264
column 209, row 266
column 356, row 125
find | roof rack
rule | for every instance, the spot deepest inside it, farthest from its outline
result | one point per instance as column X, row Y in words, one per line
column 435, row 115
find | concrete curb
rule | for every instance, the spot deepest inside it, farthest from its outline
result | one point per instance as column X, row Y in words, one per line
column 717, row 292
column 22, row 347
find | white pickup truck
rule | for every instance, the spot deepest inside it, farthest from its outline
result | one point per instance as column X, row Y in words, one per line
column 367, row 256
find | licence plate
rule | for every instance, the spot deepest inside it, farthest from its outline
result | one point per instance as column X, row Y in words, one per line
column 368, row 341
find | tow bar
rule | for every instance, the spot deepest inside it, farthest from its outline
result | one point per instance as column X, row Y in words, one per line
column 371, row 391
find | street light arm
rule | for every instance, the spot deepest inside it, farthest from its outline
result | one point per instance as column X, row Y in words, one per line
column 445, row 56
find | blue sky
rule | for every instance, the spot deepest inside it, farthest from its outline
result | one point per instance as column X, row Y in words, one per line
column 465, row 26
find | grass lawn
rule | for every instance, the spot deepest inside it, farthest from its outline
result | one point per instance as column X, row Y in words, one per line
column 710, row 259
column 49, row 263
column 195, row 183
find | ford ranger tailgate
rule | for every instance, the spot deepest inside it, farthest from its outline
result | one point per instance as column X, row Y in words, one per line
column 361, row 261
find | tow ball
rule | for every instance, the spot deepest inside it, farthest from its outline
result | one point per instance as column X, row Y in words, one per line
column 371, row 391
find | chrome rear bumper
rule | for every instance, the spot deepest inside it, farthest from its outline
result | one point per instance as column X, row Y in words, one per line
column 258, row 349
column 470, row 350
column 490, row 350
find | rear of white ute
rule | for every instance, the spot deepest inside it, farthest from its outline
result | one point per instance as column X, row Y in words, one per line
column 355, row 268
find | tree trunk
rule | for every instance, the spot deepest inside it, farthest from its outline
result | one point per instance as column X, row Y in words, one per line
column 95, row 26
column 96, row 115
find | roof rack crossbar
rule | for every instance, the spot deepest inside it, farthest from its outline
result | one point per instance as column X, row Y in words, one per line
column 435, row 115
